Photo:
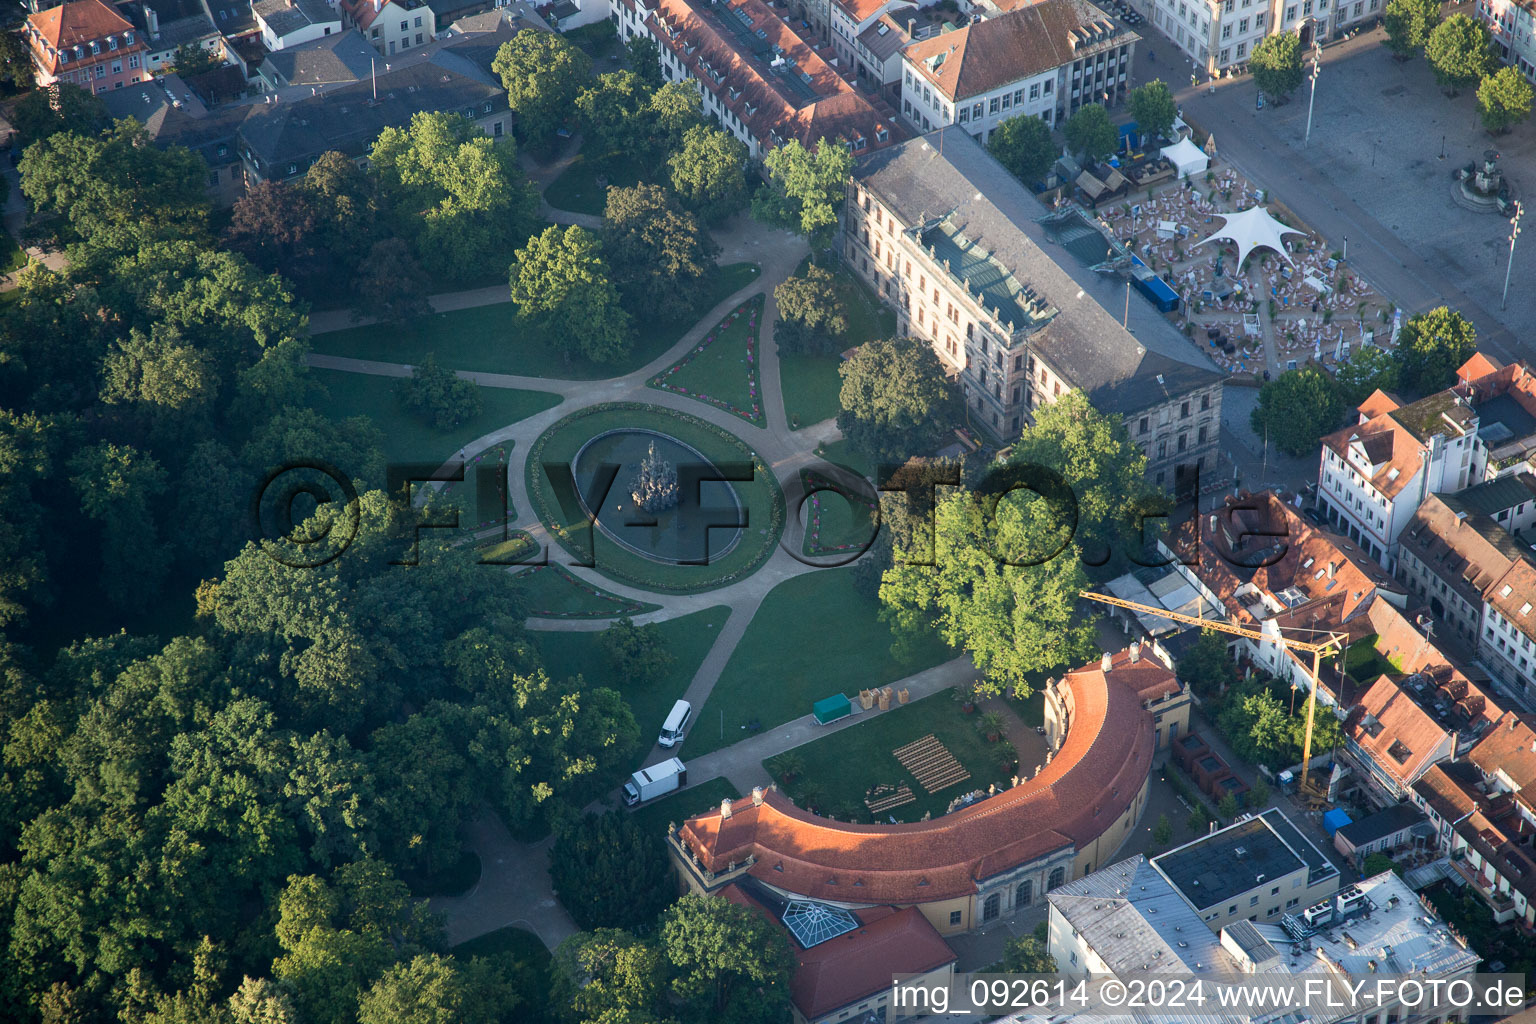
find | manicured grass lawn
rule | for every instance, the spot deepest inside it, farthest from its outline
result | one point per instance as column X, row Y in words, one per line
column 836, row 524
column 721, row 370
column 1365, row 664
column 811, row 383
column 688, row 637
column 814, row 636
column 577, row 189
column 518, row 546
column 843, row 453
column 762, row 502
column 494, row 339
column 695, row 798
column 841, row 768
column 530, row 967
column 551, row 592
column 410, row 438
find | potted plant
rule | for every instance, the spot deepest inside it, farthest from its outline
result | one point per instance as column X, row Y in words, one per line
column 966, row 698
column 1007, row 758
column 990, row 724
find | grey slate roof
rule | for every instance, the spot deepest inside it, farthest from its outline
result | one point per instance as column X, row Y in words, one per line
column 190, row 29
column 174, row 116
column 347, row 119
column 1496, row 495
column 1382, row 823
column 285, row 16
column 1116, row 367
column 232, row 17
column 341, row 57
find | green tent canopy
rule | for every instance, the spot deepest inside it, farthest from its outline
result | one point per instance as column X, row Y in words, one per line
column 831, row 709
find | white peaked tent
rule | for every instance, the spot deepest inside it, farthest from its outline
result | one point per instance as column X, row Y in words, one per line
column 1186, row 157
column 1252, row 229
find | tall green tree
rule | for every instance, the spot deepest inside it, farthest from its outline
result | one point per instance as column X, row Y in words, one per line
column 159, row 370
column 60, row 107
column 806, row 188
column 1207, row 666
column 896, row 400
column 1025, row 955
column 1460, row 50
column 812, row 315
column 643, row 57
column 1430, row 348
column 1153, row 108
column 274, row 225
column 1024, row 145
column 1276, row 64
column 543, row 74
column 1096, row 458
column 117, row 191
column 1367, row 370
column 1503, row 100
column 1297, row 408
column 561, row 275
column 1408, row 24
column 1090, row 133
column 610, row 874
column 117, row 486
column 675, row 109
column 440, row 396
column 730, row 963
column 457, row 192
column 431, row 989
column 615, row 114
column 708, row 173
column 1002, row 585
column 391, row 286
column 638, row 655
column 15, row 62
column 606, row 975
column 660, row 255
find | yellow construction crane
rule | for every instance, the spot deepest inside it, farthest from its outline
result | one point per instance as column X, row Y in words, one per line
column 1334, row 642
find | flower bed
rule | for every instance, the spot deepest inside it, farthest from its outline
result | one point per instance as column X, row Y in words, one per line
column 712, row 371
column 819, row 519
column 477, row 510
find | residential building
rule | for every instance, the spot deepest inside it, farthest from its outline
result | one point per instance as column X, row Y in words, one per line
column 947, row 236
column 392, row 26
column 1255, row 869
column 280, row 140
column 169, row 25
column 85, row 43
column 1393, row 740
column 1044, row 59
column 1507, row 646
column 173, row 115
column 850, row 19
column 1105, row 725
column 234, row 19
column 759, row 78
column 845, row 959
column 1375, row 474
column 1218, row 34
column 1513, row 27
column 340, row 59
column 1389, row 829
column 1127, row 920
column 284, row 23
column 1483, row 826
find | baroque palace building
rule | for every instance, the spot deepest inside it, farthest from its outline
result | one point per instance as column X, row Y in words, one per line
column 1106, row 724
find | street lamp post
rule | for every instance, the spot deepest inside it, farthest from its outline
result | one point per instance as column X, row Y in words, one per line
column 1346, row 248
column 1514, row 233
column 1317, row 65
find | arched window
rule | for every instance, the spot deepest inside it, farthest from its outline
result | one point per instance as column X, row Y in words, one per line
column 1057, row 879
column 1025, row 894
column 991, row 906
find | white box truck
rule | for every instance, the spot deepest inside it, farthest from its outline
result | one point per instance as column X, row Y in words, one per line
column 655, row 781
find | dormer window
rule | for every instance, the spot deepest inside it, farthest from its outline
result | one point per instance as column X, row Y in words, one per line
column 127, row 38
column 95, row 46
column 111, row 42
column 63, row 56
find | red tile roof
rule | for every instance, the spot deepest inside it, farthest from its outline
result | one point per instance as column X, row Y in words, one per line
column 1378, row 403
column 1024, row 41
column 1510, row 747
column 1514, row 596
column 1448, row 790
column 77, row 23
column 1478, row 366
column 1087, row 786
column 1400, row 736
column 859, row 10
column 859, row 964
column 1388, row 446
column 759, row 96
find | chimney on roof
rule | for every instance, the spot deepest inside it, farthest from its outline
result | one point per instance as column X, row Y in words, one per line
column 757, row 796
column 1105, row 662
column 1135, row 652
column 725, row 808
column 152, row 22
column 911, row 28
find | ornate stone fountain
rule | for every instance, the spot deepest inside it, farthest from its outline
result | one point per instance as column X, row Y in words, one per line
column 1482, row 187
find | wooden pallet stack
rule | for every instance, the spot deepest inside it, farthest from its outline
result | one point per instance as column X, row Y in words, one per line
column 931, row 764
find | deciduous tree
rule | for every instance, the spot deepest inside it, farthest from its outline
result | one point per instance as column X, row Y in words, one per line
column 896, row 400
column 1459, row 49
column 643, row 57
column 391, row 286
column 730, row 963
column 708, row 173
column 812, row 316
column 542, row 74
column 604, row 974
column 440, row 396
column 1024, row 145
column 1025, row 955
column 1276, row 63
column 1207, row 666
column 117, row 486
column 1153, row 108
column 638, row 655
column 1367, row 370
column 1090, row 132
column 274, row 225
column 1408, row 24
column 1295, row 409
column 614, row 114
column 806, row 188
column 1504, row 100
column 1431, row 346
column 609, row 874
column 60, row 107
column 561, row 276
column 660, row 256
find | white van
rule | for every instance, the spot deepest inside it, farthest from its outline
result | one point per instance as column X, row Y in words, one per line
column 677, row 721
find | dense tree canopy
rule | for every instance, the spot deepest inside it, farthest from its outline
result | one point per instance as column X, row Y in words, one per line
column 806, row 188
column 610, row 874
column 1504, row 100
column 1460, row 50
column 1276, row 63
column 543, row 74
column 1368, row 369
column 1297, row 408
column 615, row 113
column 1153, row 108
column 61, row 107
column 896, row 400
column 708, row 173
column 1024, row 145
column 660, row 255
column 561, row 276
column 1090, row 132
column 1408, row 24
column 1431, row 346
column 812, row 315
column 730, row 962
column 439, row 395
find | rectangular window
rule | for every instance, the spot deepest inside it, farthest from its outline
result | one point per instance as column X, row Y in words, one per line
column 1290, row 13
column 1242, row 48
column 1007, row 101
column 1258, row 21
column 133, row 61
column 965, row 115
column 418, row 38
column 405, row 26
column 954, row 917
column 417, row 23
column 1226, row 30
column 101, row 71
column 1046, row 88
column 1034, row 91
column 1018, row 97
column 117, row 67
column 992, row 106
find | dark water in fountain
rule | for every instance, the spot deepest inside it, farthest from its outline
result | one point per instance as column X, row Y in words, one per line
column 701, row 528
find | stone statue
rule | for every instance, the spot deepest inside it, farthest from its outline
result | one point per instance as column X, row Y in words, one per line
column 655, row 486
